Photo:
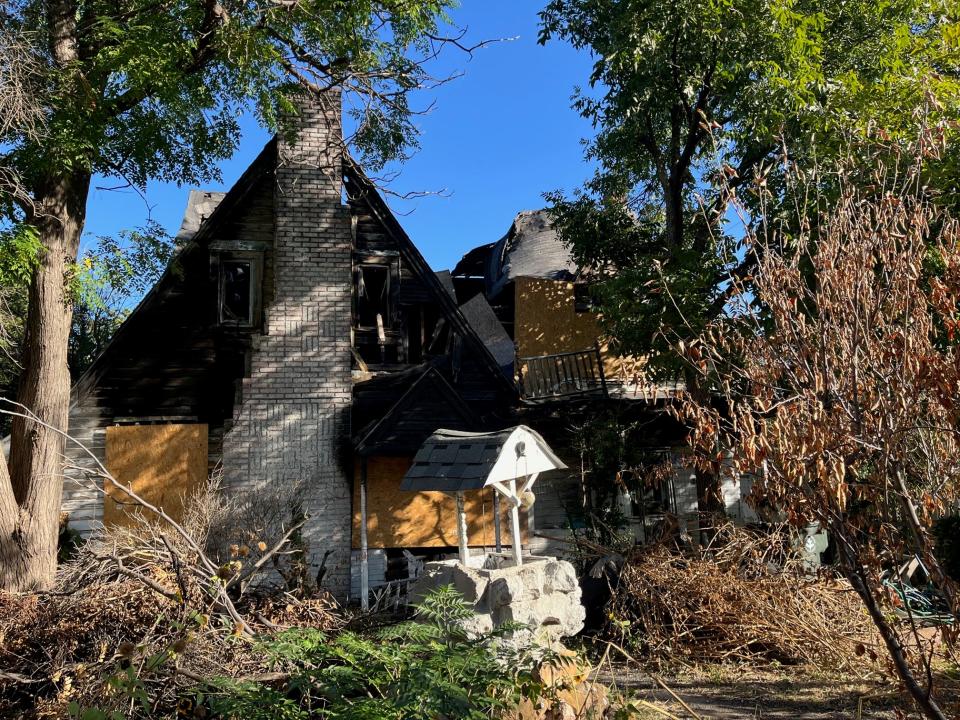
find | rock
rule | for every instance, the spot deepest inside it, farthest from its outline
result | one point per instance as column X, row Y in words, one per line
column 505, row 590
column 559, row 576
column 470, row 582
column 532, row 579
column 434, row 575
column 479, row 624
column 542, row 594
column 560, row 615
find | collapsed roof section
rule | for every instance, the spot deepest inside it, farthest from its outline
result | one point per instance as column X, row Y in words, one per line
column 428, row 400
column 359, row 186
column 200, row 206
column 531, row 248
column 485, row 324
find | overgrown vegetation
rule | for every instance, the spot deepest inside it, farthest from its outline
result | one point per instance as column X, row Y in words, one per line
column 206, row 618
column 820, row 350
column 747, row 598
column 141, row 613
column 692, row 100
column 423, row 668
column 837, row 363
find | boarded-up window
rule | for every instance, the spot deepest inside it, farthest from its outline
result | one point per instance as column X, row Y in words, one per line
column 421, row 519
column 164, row 464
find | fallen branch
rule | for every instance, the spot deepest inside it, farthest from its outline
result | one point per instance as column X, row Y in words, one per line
column 267, row 555
column 656, row 679
column 214, row 585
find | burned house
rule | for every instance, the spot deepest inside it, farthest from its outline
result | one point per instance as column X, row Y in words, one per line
column 299, row 339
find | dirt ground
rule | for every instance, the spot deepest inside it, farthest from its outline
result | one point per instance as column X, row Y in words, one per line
column 783, row 694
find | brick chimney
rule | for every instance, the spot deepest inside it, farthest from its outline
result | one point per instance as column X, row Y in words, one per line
column 294, row 414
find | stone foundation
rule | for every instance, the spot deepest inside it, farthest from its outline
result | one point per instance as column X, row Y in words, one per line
column 542, row 594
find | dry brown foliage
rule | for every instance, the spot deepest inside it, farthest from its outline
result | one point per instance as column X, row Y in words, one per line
column 132, row 598
column 21, row 114
column 839, row 370
column 58, row 649
column 701, row 611
column 738, row 603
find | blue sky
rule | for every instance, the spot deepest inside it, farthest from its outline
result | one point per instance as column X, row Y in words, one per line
column 498, row 138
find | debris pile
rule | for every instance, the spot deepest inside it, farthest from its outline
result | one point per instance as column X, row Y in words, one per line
column 144, row 612
column 744, row 599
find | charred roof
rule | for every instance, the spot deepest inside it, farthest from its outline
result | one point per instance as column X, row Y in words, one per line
column 530, row 248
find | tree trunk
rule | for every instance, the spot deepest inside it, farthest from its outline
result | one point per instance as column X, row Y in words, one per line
column 710, row 507
column 674, row 212
column 856, row 574
column 30, row 511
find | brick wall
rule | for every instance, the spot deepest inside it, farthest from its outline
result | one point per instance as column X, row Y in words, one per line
column 293, row 419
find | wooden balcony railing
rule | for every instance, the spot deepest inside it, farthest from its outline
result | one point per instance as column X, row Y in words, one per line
column 562, row 376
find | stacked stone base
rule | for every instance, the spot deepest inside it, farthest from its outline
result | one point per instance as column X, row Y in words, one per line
column 542, row 594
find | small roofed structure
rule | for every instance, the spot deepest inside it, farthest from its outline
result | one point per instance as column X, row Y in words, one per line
column 454, row 462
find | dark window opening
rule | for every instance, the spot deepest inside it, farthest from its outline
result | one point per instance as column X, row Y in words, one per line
column 436, row 337
column 585, row 298
column 375, row 353
column 373, row 296
column 236, row 291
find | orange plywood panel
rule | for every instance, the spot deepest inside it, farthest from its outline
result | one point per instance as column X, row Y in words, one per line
column 164, row 464
column 396, row 518
column 546, row 322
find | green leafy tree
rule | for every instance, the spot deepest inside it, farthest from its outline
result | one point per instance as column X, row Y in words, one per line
column 697, row 101
column 152, row 89
column 19, row 249
column 111, row 276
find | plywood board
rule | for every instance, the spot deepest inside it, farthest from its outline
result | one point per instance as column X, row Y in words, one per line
column 421, row 519
column 164, row 464
column 546, row 322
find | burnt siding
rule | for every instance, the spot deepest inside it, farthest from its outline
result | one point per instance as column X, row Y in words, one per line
column 254, row 222
column 171, row 359
column 455, row 356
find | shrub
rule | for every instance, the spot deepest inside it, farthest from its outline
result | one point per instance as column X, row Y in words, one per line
column 425, row 668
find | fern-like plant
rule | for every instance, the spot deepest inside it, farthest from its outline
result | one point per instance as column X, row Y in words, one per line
column 428, row 667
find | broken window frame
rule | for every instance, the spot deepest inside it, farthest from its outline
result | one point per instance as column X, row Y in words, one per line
column 254, row 260
column 387, row 299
